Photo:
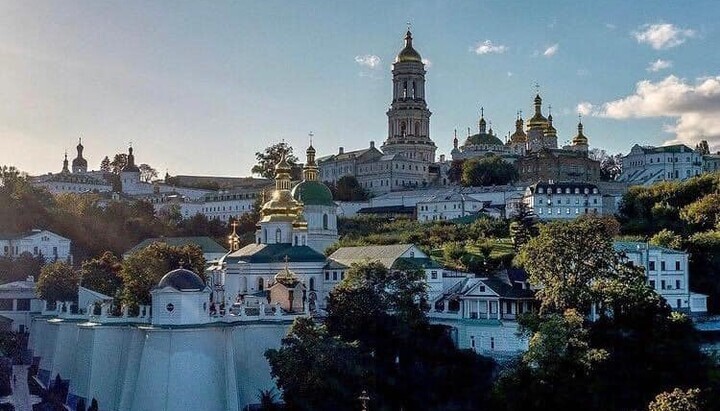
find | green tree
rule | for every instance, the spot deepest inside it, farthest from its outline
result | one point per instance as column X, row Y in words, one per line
column 315, row 370
column 668, row 239
column 703, row 148
column 58, row 282
column 102, row 274
column 266, row 160
column 677, row 400
column 143, row 269
column 703, row 214
column 490, row 170
column 348, row 188
column 452, row 252
column 523, row 225
column 564, row 258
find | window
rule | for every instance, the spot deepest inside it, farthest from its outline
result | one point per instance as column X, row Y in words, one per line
column 342, row 275
column 679, row 303
column 651, row 265
column 662, row 285
column 278, row 235
column 662, row 265
column 678, row 283
column 677, row 265
column 433, row 275
column 327, row 275
column 482, row 288
column 23, row 304
column 652, row 284
column 261, row 284
column 6, row 304
column 312, row 283
column 35, row 250
column 335, row 276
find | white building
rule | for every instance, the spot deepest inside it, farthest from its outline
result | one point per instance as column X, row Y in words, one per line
column 645, row 165
column 37, row 242
column 447, row 207
column 667, row 272
column 563, row 201
column 711, row 163
column 18, row 302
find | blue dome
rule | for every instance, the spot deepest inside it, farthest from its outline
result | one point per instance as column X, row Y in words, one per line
column 182, row 280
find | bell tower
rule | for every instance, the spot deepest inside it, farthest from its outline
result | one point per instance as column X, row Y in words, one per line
column 408, row 116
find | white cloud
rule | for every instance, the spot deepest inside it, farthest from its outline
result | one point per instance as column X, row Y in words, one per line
column 487, row 47
column 658, row 65
column 551, row 51
column 427, row 63
column 368, row 60
column 695, row 107
column 662, row 35
column 584, row 108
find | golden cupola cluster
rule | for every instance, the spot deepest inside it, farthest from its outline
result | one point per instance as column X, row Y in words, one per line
column 580, row 138
column 282, row 206
column 519, row 135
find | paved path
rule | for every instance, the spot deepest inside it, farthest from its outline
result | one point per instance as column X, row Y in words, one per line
column 21, row 393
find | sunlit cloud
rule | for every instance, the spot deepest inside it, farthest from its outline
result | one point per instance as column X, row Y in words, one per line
column 368, row 60
column 662, row 35
column 487, row 47
column 658, row 65
column 552, row 50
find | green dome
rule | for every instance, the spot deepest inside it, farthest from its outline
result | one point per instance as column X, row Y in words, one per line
column 313, row 193
column 484, row 138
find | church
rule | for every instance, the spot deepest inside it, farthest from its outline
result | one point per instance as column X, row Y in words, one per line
column 200, row 343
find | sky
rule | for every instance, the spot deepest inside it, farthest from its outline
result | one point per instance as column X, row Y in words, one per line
column 199, row 87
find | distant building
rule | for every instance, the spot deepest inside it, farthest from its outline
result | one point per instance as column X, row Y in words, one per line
column 18, row 302
column 563, row 201
column 447, row 207
column 51, row 246
column 646, row 165
column 711, row 163
column 485, row 142
column 667, row 273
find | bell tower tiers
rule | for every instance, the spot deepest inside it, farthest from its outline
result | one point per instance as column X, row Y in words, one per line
column 408, row 116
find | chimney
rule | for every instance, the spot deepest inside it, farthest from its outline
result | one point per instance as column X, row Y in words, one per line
column 442, row 158
column 372, row 144
column 341, row 150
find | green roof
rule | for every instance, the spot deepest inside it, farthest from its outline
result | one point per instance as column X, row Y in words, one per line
column 206, row 244
column 313, row 193
column 484, row 138
column 275, row 253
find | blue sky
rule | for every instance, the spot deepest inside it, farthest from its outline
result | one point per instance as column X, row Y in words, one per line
column 199, row 87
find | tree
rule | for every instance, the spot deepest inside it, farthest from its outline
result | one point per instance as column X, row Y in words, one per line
column 610, row 164
column 266, row 160
column 268, row 400
column 94, row 405
column 677, row 400
column 523, row 225
column 490, row 170
column 455, row 171
column 564, row 258
column 102, row 274
column 147, row 173
column 118, row 163
column 58, row 282
column 703, row 148
column 348, row 188
column 105, row 165
column 668, row 239
column 703, row 214
column 315, row 370
column 144, row 268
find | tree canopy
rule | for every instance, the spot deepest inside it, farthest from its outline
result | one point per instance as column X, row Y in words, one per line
column 348, row 188
column 486, row 171
column 102, row 274
column 58, row 282
column 267, row 159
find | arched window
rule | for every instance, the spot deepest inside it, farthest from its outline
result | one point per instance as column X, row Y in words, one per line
column 325, row 221
column 261, row 284
column 405, row 90
column 312, row 284
column 417, row 128
column 413, row 90
column 278, row 235
column 403, row 128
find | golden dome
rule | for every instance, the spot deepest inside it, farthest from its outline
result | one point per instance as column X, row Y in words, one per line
column 282, row 204
column 538, row 121
column 580, row 138
column 550, row 131
column 519, row 135
column 408, row 53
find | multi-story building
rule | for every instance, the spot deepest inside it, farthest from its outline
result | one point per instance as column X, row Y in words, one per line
column 486, row 142
column 408, row 151
column 563, row 201
column 19, row 302
column 710, row 163
column 447, row 207
column 51, row 246
column 645, row 165
column 667, row 273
